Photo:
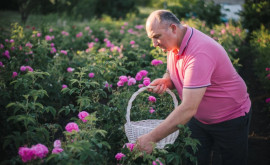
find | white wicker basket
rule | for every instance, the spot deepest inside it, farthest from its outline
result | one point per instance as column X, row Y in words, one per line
column 135, row 129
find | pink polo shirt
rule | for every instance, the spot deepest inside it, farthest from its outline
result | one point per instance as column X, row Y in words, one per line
column 205, row 63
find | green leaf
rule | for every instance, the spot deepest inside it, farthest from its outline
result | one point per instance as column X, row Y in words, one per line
column 94, row 84
column 51, row 109
column 74, row 81
column 39, row 105
column 10, row 105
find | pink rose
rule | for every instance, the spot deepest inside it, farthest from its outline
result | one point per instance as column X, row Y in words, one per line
column 119, row 156
column 120, row 83
column 138, row 77
column 152, row 99
column 26, row 154
column 28, row 68
column 140, row 85
column 123, row 78
column 91, row 75
column 72, row 126
column 151, row 110
column 82, row 115
column 57, row 144
column 132, row 42
column 155, row 162
column 57, row 150
column 69, row 69
column 23, row 68
column 48, row 38
column 146, row 82
column 143, row 72
column 131, row 81
column 40, row 150
column 156, row 62
column 63, row 52
column 14, row 74
column 64, row 86
column 130, row 146
column 80, row 34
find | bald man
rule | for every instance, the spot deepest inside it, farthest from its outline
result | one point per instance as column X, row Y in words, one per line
column 214, row 100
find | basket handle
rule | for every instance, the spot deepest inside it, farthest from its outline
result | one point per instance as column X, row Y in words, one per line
column 175, row 101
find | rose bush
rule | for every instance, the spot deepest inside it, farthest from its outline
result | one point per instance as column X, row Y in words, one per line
column 72, row 81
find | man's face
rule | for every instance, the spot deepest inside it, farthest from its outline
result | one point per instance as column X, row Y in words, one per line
column 160, row 34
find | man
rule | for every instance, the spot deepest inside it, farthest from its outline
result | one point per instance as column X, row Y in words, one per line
column 215, row 103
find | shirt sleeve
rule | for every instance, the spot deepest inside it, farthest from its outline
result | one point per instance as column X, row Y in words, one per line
column 198, row 71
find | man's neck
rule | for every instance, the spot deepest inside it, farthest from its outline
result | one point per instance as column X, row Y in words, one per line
column 182, row 32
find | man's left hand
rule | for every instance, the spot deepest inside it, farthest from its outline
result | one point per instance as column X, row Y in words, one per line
column 145, row 143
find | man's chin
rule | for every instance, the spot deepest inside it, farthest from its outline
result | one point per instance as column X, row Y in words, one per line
column 164, row 50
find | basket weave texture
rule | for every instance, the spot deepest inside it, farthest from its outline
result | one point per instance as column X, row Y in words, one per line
column 135, row 129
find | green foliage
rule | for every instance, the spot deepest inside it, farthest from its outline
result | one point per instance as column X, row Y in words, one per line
column 27, row 113
column 86, row 146
column 255, row 14
column 35, row 108
column 179, row 153
column 183, row 149
column 206, row 11
column 261, row 47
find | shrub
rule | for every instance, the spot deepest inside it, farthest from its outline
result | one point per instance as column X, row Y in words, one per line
column 206, row 11
column 255, row 14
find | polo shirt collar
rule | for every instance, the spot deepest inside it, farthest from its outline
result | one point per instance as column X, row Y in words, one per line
column 185, row 40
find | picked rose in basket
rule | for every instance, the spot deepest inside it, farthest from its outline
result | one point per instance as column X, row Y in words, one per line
column 135, row 129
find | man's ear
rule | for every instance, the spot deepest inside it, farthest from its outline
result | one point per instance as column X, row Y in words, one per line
column 173, row 27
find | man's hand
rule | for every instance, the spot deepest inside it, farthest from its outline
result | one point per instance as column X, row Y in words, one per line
column 145, row 143
column 160, row 85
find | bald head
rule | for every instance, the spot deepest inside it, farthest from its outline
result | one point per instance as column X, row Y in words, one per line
column 163, row 17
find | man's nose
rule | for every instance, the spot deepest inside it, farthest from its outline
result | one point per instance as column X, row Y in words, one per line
column 155, row 43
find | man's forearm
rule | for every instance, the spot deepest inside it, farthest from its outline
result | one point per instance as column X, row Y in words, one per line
column 181, row 115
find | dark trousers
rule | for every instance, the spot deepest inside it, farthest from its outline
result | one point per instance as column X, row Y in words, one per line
column 230, row 138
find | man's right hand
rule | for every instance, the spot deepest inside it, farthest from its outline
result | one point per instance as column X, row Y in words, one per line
column 160, row 85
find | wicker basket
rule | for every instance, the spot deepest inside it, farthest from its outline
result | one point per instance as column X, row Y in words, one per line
column 135, row 129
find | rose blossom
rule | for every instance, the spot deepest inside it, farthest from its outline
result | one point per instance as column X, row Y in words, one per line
column 132, row 42
column 151, row 110
column 69, row 69
column 26, row 154
column 40, row 150
column 131, row 81
column 57, row 150
column 72, row 126
column 119, row 156
column 138, row 77
column 154, row 162
column 14, row 74
column 91, row 75
column 120, row 83
column 63, row 52
column 156, row 62
column 146, row 82
column 64, row 86
column 130, row 146
column 82, row 115
column 57, row 144
column 152, row 99
column 123, row 78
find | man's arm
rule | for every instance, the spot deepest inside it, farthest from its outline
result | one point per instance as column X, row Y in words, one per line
column 181, row 115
